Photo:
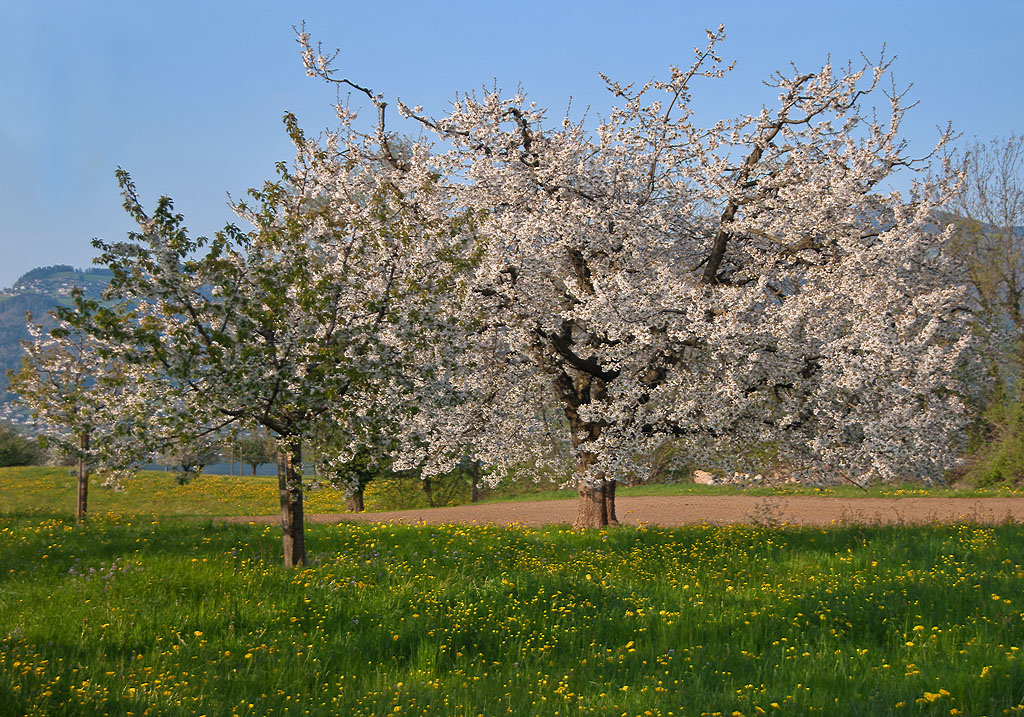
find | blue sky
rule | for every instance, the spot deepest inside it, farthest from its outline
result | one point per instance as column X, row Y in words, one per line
column 188, row 96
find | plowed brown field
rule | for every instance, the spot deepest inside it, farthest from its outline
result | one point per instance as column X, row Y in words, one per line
column 714, row 510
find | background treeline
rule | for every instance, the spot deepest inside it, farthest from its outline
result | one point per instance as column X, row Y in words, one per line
column 988, row 237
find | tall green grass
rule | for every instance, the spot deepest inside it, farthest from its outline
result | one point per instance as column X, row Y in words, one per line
column 173, row 617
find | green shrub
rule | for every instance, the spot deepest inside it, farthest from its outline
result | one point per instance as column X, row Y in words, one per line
column 17, row 449
column 999, row 458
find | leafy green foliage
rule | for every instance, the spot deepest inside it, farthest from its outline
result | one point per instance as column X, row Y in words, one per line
column 17, row 449
column 999, row 460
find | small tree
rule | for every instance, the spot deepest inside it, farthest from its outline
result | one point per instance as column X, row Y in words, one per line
column 988, row 216
column 298, row 323
column 78, row 393
column 256, row 447
column 353, row 475
column 191, row 456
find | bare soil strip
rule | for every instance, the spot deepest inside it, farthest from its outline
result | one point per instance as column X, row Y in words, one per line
column 713, row 510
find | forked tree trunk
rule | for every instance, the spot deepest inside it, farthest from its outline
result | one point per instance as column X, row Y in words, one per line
column 82, row 504
column 289, row 483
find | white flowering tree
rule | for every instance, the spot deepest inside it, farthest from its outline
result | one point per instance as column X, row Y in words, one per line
column 299, row 323
column 81, row 398
column 751, row 282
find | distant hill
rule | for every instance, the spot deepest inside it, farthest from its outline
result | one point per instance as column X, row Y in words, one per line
column 58, row 281
column 38, row 291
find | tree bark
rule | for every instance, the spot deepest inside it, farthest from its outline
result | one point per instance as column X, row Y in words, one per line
column 596, row 505
column 591, row 510
column 82, row 505
column 609, row 501
column 289, row 483
column 355, row 501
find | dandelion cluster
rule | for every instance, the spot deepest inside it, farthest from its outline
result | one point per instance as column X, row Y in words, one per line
column 135, row 616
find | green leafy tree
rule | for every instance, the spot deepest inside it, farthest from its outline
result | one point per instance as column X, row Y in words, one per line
column 298, row 323
column 79, row 394
column 255, row 448
column 17, row 449
column 191, row 456
column 988, row 214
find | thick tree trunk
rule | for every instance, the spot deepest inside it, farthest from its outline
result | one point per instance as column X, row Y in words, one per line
column 355, row 501
column 591, row 510
column 82, row 505
column 596, row 506
column 289, row 483
column 428, row 488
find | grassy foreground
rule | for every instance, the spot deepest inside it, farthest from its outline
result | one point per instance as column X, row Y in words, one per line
column 128, row 616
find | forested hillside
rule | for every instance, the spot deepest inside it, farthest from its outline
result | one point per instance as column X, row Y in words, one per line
column 38, row 292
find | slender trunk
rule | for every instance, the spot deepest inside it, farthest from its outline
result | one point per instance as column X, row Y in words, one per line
column 83, row 478
column 355, row 501
column 475, row 472
column 429, row 490
column 289, row 483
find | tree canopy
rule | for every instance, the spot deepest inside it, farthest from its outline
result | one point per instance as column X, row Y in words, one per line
column 745, row 282
column 301, row 321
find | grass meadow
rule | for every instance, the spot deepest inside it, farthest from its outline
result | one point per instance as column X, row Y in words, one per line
column 144, row 611
column 51, row 492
